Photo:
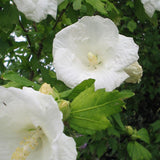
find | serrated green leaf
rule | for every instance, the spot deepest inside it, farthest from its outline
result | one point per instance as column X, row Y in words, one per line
column 143, row 135
column 14, row 77
column 90, row 109
column 137, row 152
column 77, row 4
column 98, row 5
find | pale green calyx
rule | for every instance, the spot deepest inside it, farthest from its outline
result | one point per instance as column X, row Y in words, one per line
column 64, row 108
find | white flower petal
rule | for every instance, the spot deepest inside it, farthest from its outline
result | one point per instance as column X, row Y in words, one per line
column 9, row 141
column 32, row 110
column 65, row 149
column 126, row 53
column 25, row 110
column 60, row 1
column 71, row 70
column 43, row 152
column 109, row 79
column 47, row 106
column 150, row 6
column 156, row 4
column 149, row 9
column 80, row 36
column 38, row 10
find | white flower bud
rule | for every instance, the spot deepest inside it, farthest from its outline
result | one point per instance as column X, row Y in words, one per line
column 135, row 72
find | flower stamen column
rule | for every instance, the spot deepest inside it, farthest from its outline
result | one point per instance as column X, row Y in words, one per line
column 28, row 145
column 93, row 59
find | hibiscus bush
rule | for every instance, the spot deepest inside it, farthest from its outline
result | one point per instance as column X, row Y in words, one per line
column 79, row 79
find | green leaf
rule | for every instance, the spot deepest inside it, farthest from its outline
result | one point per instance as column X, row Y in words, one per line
column 65, row 94
column 63, row 5
column 139, row 10
column 90, row 109
column 118, row 120
column 157, row 140
column 50, row 78
column 98, row 5
column 14, row 77
column 77, row 4
column 81, row 140
column 113, row 144
column 113, row 132
column 112, row 7
column 131, row 25
column 101, row 148
column 143, row 135
column 12, row 84
column 3, row 47
column 137, row 152
column 8, row 18
column 156, row 125
column 130, row 4
column 80, row 87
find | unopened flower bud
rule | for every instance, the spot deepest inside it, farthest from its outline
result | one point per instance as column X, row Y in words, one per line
column 65, row 108
column 135, row 72
column 129, row 130
column 46, row 89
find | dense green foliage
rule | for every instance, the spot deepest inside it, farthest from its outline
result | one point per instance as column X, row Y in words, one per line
column 29, row 63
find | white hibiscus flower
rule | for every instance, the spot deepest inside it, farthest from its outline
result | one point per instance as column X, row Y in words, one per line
column 31, row 127
column 150, row 6
column 93, row 48
column 37, row 10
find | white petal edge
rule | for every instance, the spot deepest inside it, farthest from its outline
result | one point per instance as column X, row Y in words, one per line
column 64, row 149
column 126, row 53
column 38, row 10
column 109, row 79
column 82, row 36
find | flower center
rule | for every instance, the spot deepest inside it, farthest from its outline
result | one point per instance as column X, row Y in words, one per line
column 28, row 145
column 93, row 59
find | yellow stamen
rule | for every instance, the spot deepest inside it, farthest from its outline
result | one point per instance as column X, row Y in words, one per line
column 28, row 145
column 93, row 59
